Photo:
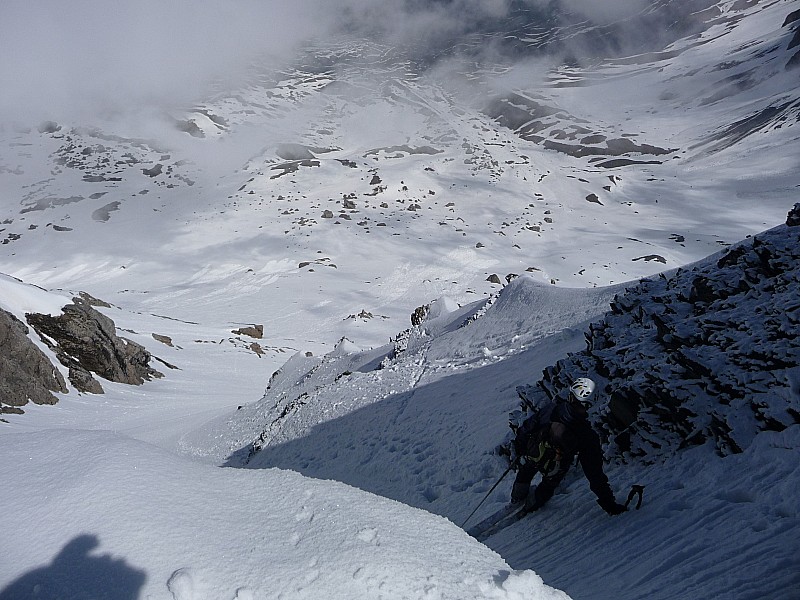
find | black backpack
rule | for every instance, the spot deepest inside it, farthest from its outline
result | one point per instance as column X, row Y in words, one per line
column 533, row 441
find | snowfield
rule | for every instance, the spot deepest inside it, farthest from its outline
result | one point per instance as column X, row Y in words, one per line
column 99, row 515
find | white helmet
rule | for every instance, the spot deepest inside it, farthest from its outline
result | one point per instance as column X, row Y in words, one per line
column 582, row 389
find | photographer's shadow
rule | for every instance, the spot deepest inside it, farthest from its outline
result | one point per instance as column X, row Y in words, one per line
column 75, row 575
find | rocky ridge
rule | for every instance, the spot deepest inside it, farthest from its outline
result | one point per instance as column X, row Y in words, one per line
column 705, row 353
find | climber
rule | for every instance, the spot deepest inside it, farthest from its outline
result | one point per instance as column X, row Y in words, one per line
column 548, row 441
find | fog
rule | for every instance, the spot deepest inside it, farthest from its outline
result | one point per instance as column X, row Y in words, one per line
column 65, row 60
column 94, row 59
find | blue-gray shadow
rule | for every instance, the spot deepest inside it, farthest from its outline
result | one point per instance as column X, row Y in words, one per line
column 427, row 447
column 74, row 574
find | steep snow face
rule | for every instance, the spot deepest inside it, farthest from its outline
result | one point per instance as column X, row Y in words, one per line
column 424, row 425
column 391, row 395
column 708, row 528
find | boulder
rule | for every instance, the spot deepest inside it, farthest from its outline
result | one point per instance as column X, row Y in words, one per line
column 26, row 374
column 254, row 331
column 85, row 341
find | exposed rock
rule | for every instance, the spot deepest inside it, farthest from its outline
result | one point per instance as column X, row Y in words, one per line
column 154, row 171
column 294, row 152
column 650, row 258
column 292, row 167
column 85, row 342
column 494, row 278
column 793, row 18
column 705, row 354
column 103, row 214
column 190, row 127
column 92, row 301
column 419, row 314
column 793, row 218
column 256, row 331
column 164, row 339
column 364, row 315
column 26, row 374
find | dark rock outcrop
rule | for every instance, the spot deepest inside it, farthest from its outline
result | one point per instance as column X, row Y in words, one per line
column 419, row 314
column 705, row 354
column 794, row 20
column 26, row 374
column 793, row 218
column 85, row 341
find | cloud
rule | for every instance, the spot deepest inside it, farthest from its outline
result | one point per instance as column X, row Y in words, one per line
column 88, row 59
column 419, row 23
column 93, row 56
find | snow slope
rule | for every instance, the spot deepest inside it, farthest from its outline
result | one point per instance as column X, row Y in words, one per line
column 710, row 527
column 99, row 515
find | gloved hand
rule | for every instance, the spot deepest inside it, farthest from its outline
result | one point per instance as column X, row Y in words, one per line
column 612, row 507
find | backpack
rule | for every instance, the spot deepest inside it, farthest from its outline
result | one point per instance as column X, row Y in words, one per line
column 533, row 441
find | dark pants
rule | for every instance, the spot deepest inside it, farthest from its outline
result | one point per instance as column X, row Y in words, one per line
column 543, row 492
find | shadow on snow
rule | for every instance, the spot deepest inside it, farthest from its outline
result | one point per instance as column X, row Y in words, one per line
column 75, row 574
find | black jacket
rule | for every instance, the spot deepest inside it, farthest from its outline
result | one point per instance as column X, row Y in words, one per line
column 568, row 428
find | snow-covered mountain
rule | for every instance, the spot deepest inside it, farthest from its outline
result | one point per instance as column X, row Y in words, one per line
column 384, row 161
column 339, row 170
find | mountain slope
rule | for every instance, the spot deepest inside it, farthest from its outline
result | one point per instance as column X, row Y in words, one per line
column 424, row 425
column 339, row 171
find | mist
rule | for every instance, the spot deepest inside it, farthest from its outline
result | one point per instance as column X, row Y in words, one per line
column 91, row 57
column 88, row 60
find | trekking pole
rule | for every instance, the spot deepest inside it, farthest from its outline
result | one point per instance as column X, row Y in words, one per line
column 489, row 493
